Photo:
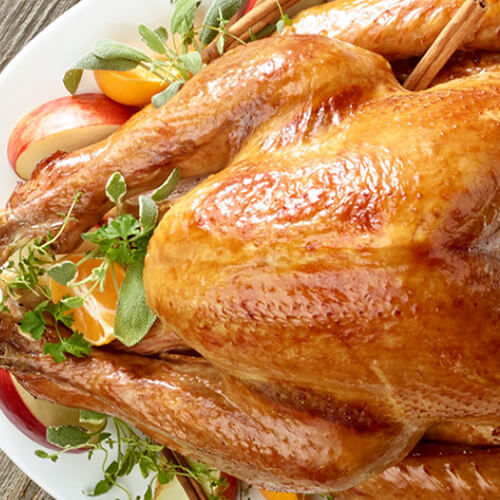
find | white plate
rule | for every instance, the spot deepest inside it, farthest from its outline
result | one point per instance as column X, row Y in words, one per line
column 33, row 77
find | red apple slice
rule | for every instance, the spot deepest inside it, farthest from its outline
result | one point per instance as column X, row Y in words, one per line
column 30, row 415
column 64, row 124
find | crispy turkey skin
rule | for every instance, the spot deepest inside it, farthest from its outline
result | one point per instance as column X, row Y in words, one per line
column 339, row 273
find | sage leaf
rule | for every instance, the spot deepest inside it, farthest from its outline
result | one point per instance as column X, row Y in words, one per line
column 63, row 272
column 182, row 18
column 116, row 188
column 192, row 62
column 133, row 316
column 152, row 39
column 109, row 49
column 72, row 79
column 67, row 436
column 162, row 33
column 167, row 187
column 91, row 61
column 220, row 44
column 263, row 33
column 148, row 213
column 280, row 25
column 224, row 9
column 164, row 96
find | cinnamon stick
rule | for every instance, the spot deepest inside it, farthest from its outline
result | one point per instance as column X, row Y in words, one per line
column 191, row 487
column 260, row 16
column 463, row 23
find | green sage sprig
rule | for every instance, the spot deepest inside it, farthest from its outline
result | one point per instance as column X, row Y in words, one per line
column 178, row 56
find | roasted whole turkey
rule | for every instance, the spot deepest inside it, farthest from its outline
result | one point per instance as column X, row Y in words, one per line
column 339, row 274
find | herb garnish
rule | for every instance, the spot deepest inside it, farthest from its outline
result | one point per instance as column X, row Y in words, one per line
column 175, row 60
column 122, row 240
column 132, row 450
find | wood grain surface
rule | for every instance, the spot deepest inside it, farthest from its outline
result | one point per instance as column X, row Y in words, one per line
column 20, row 21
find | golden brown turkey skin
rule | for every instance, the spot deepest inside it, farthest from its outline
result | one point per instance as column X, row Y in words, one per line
column 200, row 130
column 186, row 404
column 435, row 472
column 346, row 263
column 339, row 277
column 394, row 28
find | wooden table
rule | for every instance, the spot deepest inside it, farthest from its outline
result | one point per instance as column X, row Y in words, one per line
column 21, row 20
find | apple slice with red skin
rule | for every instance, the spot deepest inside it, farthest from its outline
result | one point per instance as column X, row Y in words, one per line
column 30, row 415
column 64, row 124
column 231, row 491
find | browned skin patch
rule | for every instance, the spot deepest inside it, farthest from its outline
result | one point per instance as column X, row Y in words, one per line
column 347, row 252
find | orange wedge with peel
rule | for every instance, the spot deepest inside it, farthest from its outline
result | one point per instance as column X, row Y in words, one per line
column 95, row 319
column 133, row 88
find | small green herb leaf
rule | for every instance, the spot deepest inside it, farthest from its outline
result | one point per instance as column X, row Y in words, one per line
column 44, row 454
column 224, row 9
column 149, row 494
column 152, row 39
column 72, row 79
column 54, row 349
column 77, row 345
column 63, row 272
column 280, row 25
column 220, row 44
column 72, row 302
column 91, row 62
column 148, row 213
column 162, row 33
column 163, row 97
column 102, row 487
column 182, row 18
column 192, row 61
column 33, row 323
column 109, row 49
column 164, row 191
column 67, row 436
column 133, row 316
column 116, row 188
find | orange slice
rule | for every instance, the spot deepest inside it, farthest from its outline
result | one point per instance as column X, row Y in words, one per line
column 133, row 88
column 275, row 495
column 95, row 319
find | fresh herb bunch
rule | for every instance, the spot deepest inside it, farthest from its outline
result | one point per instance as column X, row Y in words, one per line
column 25, row 273
column 177, row 58
column 123, row 240
column 175, row 62
column 131, row 450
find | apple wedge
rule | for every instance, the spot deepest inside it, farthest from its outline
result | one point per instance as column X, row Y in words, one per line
column 30, row 415
column 64, row 124
column 174, row 491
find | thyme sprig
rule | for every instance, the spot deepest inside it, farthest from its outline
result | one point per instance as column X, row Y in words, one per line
column 123, row 451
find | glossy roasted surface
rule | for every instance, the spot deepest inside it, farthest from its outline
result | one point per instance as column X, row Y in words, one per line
column 394, row 28
column 437, row 472
column 340, row 275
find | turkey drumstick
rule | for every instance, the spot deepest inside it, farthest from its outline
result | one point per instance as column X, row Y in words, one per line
column 198, row 131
